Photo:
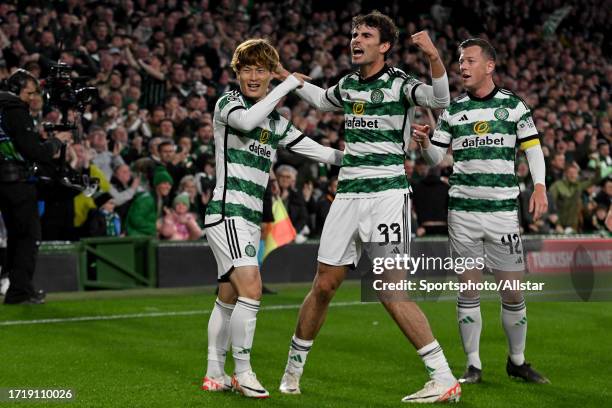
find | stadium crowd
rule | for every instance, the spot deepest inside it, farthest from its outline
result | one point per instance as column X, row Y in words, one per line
column 160, row 67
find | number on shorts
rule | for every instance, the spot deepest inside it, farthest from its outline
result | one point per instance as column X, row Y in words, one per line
column 395, row 229
column 513, row 242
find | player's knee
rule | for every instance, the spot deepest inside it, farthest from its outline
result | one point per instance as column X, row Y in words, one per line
column 251, row 291
column 324, row 289
column 512, row 297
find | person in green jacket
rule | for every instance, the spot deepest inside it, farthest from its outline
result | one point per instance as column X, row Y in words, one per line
column 567, row 193
column 148, row 207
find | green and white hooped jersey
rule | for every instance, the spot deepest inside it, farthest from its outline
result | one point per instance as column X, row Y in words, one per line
column 484, row 134
column 377, row 116
column 244, row 159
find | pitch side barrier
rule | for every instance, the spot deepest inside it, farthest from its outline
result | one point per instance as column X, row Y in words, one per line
column 118, row 263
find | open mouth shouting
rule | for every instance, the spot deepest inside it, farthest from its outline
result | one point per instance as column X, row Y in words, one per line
column 357, row 52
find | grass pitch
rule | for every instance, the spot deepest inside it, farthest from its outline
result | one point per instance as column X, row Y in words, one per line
column 147, row 348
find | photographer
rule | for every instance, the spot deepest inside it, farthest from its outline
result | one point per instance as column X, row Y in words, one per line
column 20, row 147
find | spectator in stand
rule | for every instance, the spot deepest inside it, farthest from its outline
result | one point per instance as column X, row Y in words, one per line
column 204, row 142
column 566, row 194
column 179, row 224
column 324, row 204
column 604, row 197
column 102, row 221
column 123, row 189
column 147, row 208
column 293, row 200
column 601, row 159
column 421, row 169
column 172, row 161
column 146, row 165
column 83, row 164
column 409, row 170
column 556, row 169
column 101, row 157
column 196, row 204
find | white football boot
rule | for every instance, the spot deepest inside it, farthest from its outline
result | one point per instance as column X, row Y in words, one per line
column 435, row 392
column 217, row 384
column 247, row 384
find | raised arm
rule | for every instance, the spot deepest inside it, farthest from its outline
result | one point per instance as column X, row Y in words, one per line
column 437, row 94
column 246, row 120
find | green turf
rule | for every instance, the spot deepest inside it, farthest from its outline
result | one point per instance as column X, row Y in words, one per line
column 360, row 359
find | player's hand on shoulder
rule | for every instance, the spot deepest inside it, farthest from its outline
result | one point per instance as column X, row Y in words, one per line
column 423, row 41
column 420, row 134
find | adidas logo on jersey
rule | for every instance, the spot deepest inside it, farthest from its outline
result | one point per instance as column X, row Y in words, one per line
column 360, row 123
column 482, row 141
column 463, row 118
column 260, row 150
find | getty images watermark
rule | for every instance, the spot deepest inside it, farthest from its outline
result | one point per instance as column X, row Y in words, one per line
column 401, row 277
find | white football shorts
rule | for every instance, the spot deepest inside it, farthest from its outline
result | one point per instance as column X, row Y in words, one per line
column 493, row 236
column 352, row 222
column 235, row 243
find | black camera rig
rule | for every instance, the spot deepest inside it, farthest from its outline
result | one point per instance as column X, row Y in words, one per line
column 64, row 93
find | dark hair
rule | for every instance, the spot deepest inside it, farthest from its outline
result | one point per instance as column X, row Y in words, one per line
column 164, row 144
column 487, row 49
column 383, row 23
column 19, row 80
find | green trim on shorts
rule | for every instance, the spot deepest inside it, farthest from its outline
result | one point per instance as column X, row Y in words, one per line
column 481, row 205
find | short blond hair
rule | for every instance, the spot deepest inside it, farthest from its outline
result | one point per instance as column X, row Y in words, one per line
column 255, row 51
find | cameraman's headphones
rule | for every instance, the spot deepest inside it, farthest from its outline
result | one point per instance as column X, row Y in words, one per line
column 18, row 80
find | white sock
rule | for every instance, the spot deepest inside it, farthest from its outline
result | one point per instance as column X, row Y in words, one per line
column 514, row 320
column 436, row 363
column 218, row 338
column 242, row 324
column 470, row 326
column 298, row 351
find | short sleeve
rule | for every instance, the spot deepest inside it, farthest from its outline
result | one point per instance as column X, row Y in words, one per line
column 525, row 126
column 226, row 105
column 526, row 131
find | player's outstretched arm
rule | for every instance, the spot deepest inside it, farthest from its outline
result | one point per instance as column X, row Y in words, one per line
column 246, row 120
column 307, row 147
column 436, row 95
column 319, row 98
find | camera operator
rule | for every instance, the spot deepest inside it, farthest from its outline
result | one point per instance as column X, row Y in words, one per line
column 20, row 148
